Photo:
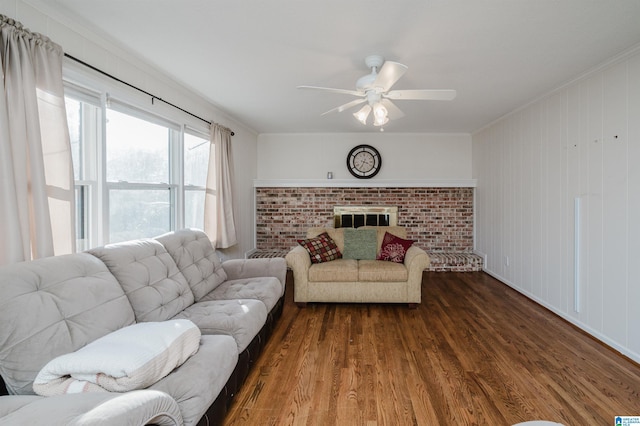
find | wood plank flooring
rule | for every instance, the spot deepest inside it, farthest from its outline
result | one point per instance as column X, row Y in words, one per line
column 475, row 352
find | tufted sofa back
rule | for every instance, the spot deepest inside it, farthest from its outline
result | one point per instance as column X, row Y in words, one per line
column 196, row 258
column 156, row 289
column 53, row 306
column 56, row 305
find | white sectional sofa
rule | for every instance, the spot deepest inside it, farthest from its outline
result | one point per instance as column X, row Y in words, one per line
column 55, row 306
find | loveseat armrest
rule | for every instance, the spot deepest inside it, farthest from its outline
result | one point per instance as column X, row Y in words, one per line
column 254, row 268
column 416, row 260
column 95, row 408
column 299, row 261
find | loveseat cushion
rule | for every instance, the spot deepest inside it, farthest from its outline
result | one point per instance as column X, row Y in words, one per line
column 382, row 270
column 149, row 276
column 196, row 258
column 360, row 244
column 336, row 234
column 53, row 306
column 394, row 248
column 398, row 231
column 341, row 270
column 321, row 248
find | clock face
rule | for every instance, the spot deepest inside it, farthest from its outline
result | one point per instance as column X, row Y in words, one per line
column 364, row 161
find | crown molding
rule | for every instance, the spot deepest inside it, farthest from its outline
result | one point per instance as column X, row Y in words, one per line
column 374, row 183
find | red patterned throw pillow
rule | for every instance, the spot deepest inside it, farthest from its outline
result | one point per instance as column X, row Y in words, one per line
column 321, row 248
column 393, row 248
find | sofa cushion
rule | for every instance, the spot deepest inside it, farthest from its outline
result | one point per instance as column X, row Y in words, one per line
column 265, row 289
column 241, row 319
column 341, row 270
column 379, row 270
column 59, row 304
column 360, row 244
column 260, row 267
column 196, row 383
column 150, row 278
column 321, row 248
column 394, row 248
column 196, row 258
column 139, row 407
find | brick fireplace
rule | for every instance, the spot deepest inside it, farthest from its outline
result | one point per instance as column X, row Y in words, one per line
column 438, row 219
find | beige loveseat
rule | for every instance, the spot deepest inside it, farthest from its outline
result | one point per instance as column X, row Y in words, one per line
column 357, row 281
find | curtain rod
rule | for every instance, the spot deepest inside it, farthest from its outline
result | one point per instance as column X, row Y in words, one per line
column 153, row 97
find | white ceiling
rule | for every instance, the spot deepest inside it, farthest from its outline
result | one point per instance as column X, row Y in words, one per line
column 248, row 56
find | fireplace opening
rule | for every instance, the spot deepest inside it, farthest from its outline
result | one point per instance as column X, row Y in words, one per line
column 357, row 216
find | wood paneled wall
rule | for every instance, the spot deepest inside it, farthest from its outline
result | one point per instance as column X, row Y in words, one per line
column 581, row 142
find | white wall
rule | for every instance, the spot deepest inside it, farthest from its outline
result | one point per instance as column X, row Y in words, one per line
column 404, row 156
column 581, row 141
column 89, row 47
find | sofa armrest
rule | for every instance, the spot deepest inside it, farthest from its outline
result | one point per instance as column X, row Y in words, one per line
column 416, row 260
column 299, row 261
column 253, row 268
column 95, row 408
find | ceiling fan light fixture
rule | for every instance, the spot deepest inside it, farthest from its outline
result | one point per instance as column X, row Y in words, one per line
column 380, row 117
column 363, row 114
column 374, row 89
column 381, row 122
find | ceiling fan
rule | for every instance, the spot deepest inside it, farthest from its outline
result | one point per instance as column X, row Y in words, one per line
column 374, row 89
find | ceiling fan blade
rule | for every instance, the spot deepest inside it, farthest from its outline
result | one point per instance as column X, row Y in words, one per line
column 389, row 74
column 346, row 106
column 393, row 112
column 332, row 90
column 425, row 94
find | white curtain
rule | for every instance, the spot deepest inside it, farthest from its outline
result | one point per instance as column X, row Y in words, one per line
column 36, row 170
column 218, row 203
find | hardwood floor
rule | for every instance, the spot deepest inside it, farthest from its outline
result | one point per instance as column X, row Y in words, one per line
column 475, row 352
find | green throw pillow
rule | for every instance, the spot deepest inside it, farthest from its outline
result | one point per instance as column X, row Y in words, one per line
column 360, row 244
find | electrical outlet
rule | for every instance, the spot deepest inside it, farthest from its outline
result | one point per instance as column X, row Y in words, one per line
column 506, row 261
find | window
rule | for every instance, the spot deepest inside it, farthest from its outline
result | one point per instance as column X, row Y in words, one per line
column 137, row 175
column 196, row 163
column 83, row 118
column 141, row 186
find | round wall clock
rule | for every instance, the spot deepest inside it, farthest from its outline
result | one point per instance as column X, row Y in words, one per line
column 364, row 161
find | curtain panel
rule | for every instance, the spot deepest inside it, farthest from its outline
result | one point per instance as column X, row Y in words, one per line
column 219, row 223
column 36, row 171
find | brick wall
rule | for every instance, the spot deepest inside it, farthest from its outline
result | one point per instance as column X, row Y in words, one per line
column 438, row 219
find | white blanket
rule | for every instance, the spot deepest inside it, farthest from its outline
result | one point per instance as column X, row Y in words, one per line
column 133, row 357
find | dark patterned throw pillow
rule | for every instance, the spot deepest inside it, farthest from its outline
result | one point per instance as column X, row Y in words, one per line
column 321, row 248
column 393, row 248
